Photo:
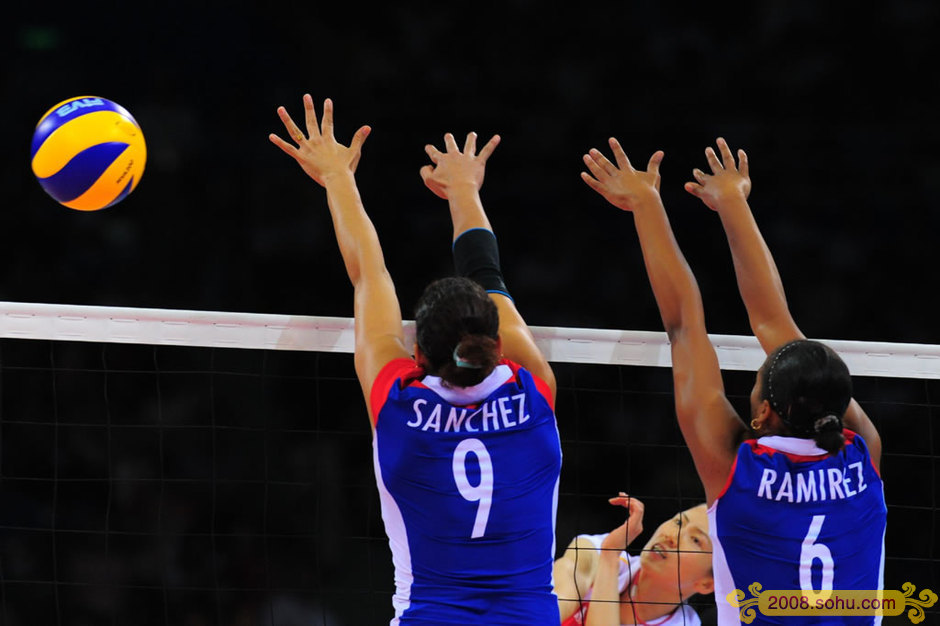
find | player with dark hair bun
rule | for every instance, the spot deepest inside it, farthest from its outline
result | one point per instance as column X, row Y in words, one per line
column 809, row 387
column 457, row 331
column 796, row 503
column 467, row 455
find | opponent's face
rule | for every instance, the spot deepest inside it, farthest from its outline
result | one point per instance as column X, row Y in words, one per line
column 680, row 552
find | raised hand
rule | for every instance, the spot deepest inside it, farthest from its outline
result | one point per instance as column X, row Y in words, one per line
column 727, row 180
column 620, row 184
column 318, row 152
column 623, row 535
column 455, row 168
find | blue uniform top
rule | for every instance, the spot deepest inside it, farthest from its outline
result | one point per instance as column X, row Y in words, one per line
column 468, row 482
column 793, row 517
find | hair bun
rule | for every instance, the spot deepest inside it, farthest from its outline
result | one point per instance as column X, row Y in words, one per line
column 827, row 422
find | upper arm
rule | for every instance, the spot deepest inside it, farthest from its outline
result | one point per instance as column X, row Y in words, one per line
column 573, row 574
column 379, row 332
column 856, row 419
column 709, row 424
column 518, row 344
column 774, row 331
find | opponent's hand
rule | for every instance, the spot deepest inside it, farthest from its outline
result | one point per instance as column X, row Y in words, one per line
column 620, row 184
column 622, row 536
column 318, row 152
column 727, row 180
column 455, row 168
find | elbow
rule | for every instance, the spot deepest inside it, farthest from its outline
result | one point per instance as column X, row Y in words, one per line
column 673, row 331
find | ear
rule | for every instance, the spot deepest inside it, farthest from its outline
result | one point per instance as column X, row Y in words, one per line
column 420, row 359
column 763, row 415
column 705, row 585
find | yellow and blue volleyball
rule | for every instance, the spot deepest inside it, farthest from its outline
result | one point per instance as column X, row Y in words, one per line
column 88, row 153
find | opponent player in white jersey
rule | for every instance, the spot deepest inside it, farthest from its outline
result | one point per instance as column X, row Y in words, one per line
column 466, row 449
column 796, row 503
column 599, row 584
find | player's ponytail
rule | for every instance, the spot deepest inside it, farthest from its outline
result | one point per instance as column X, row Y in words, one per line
column 828, row 433
column 474, row 355
column 809, row 387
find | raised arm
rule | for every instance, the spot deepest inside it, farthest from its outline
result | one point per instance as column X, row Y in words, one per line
column 456, row 176
column 605, row 594
column 725, row 191
column 708, row 422
column 378, row 324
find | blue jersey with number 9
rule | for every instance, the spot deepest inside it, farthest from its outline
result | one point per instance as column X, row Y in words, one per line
column 468, row 482
column 795, row 518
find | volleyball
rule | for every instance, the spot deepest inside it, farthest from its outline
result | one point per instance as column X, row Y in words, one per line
column 88, row 153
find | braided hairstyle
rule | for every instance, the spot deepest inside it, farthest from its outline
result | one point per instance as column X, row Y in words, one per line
column 809, row 387
column 457, row 329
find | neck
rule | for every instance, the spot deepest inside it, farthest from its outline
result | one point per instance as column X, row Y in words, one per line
column 647, row 599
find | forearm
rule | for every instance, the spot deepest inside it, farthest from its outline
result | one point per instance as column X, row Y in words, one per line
column 355, row 234
column 758, row 279
column 605, row 596
column 674, row 286
column 466, row 209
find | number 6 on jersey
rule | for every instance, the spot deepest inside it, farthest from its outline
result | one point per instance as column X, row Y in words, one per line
column 483, row 492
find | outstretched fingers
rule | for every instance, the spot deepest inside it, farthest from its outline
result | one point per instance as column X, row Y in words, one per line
column 655, row 160
column 727, row 158
column 623, row 162
column 596, row 169
column 713, row 161
column 603, row 162
column 289, row 149
column 592, row 182
column 356, row 145
column 488, row 148
column 742, row 163
column 326, row 125
column 433, row 153
column 310, row 114
column 292, row 129
column 470, row 144
column 360, row 138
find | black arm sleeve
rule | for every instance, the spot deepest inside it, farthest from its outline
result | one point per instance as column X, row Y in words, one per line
column 476, row 256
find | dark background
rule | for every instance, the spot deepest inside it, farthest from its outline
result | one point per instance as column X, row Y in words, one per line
column 835, row 106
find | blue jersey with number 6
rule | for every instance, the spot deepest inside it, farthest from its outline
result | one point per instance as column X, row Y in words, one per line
column 468, row 482
column 795, row 518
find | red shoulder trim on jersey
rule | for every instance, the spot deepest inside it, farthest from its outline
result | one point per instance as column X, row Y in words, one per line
column 850, row 438
column 758, row 448
column 734, row 466
column 402, row 368
column 513, row 367
column 540, row 384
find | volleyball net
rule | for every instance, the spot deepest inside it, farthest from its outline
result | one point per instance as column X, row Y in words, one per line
column 195, row 467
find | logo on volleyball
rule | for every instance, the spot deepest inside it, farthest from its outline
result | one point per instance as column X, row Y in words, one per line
column 88, row 153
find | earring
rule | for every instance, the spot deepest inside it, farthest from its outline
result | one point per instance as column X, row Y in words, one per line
column 755, row 426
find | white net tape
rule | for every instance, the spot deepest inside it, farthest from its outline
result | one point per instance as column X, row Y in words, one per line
column 63, row 322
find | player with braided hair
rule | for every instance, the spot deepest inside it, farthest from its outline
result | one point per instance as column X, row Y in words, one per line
column 795, row 502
